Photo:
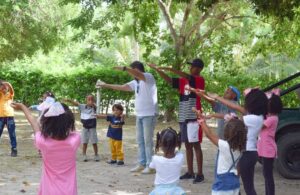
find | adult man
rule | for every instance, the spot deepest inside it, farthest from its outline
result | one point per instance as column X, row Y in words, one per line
column 187, row 101
column 144, row 86
column 7, row 114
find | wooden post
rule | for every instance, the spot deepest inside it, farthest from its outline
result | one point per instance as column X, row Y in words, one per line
column 98, row 96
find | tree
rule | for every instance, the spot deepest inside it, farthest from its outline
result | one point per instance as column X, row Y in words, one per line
column 279, row 8
column 30, row 25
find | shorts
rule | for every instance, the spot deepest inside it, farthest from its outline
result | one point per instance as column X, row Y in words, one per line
column 89, row 135
column 184, row 135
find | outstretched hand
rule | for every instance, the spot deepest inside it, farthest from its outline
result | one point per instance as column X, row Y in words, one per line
column 17, row 106
column 100, row 83
column 118, row 67
column 200, row 116
column 153, row 66
column 165, row 68
column 213, row 95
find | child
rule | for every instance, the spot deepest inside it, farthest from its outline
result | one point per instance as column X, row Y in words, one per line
column 115, row 133
column 266, row 145
column 89, row 123
column 186, row 118
column 232, row 94
column 41, row 100
column 168, row 166
column 58, row 142
column 7, row 114
column 254, row 111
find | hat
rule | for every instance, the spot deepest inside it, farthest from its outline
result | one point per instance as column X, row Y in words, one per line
column 197, row 63
column 236, row 91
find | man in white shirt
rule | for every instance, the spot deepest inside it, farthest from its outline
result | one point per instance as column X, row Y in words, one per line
column 144, row 86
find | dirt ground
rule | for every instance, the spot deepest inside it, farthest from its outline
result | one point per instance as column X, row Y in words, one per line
column 21, row 175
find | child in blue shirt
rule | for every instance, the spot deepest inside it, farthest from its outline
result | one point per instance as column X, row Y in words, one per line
column 114, row 133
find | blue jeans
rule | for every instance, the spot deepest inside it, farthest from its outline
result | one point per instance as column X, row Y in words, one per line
column 144, row 136
column 11, row 127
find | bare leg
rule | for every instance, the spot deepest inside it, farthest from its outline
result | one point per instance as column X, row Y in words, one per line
column 189, row 157
column 199, row 157
column 84, row 147
column 95, row 149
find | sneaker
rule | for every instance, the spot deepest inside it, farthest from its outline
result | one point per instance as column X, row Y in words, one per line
column 97, row 158
column 147, row 170
column 198, row 179
column 14, row 152
column 111, row 162
column 187, row 176
column 120, row 162
column 85, row 159
column 138, row 168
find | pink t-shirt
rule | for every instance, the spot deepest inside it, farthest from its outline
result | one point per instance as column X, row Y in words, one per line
column 59, row 164
column 266, row 145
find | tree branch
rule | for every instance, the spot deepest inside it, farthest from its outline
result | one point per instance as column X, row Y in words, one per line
column 185, row 17
column 167, row 16
column 169, row 4
column 201, row 20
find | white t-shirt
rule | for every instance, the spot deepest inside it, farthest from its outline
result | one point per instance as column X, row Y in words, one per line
column 167, row 169
column 145, row 96
column 86, row 112
column 254, row 124
column 225, row 160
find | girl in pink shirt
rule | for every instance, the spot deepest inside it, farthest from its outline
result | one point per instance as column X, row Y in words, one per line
column 266, row 145
column 58, row 143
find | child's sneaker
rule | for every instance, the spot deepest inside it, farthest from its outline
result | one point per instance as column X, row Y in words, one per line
column 138, row 168
column 14, row 152
column 97, row 158
column 111, row 162
column 120, row 162
column 198, row 179
column 147, row 170
column 187, row 176
column 84, row 159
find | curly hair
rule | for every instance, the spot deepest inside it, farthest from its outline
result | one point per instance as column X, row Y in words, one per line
column 256, row 102
column 58, row 127
column 235, row 133
column 118, row 107
column 168, row 139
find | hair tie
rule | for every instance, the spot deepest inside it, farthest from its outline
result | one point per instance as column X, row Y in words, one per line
column 55, row 109
column 46, row 104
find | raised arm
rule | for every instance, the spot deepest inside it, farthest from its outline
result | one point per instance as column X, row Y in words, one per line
column 228, row 103
column 177, row 72
column 31, row 119
column 124, row 87
column 101, row 116
column 133, row 72
column 10, row 88
column 161, row 73
column 202, row 94
column 208, row 132
column 75, row 103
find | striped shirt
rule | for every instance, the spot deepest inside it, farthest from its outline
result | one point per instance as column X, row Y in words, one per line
column 188, row 100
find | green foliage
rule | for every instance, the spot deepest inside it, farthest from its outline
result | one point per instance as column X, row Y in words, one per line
column 30, row 26
column 30, row 85
column 278, row 8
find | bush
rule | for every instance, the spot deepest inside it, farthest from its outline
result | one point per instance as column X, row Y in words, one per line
column 30, row 85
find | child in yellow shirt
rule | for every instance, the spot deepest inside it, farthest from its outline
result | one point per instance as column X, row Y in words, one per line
column 7, row 114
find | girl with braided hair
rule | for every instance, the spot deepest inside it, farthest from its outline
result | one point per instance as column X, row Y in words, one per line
column 168, row 166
